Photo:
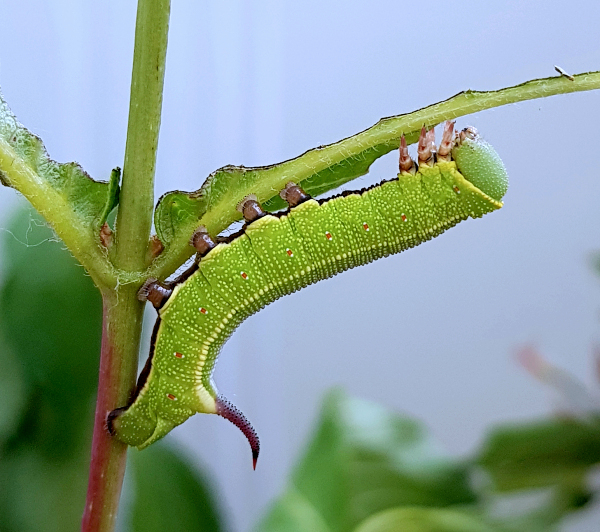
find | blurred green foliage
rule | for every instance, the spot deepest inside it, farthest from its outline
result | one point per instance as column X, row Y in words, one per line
column 370, row 470
column 50, row 329
column 366, row 469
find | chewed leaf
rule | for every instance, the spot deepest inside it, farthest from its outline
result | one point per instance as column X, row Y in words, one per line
column 316, row 171
column 322, row 169
column 26, row 166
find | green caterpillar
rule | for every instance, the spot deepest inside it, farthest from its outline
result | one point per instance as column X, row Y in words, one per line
column 275, row 255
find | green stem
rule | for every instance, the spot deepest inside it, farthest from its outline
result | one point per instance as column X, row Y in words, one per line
column 134, row 218
column 123, row 313
column 354, row 154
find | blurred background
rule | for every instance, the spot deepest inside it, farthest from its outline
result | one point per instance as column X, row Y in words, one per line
column 433, row 332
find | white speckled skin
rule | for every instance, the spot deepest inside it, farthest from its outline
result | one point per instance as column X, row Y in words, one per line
column 275, row 256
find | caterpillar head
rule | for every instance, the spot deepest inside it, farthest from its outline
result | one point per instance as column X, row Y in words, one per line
column 479, row 163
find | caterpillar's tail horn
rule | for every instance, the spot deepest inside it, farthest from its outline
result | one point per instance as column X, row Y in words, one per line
column 228, row 410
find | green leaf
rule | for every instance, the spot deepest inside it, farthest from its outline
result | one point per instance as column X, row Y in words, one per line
column 321, row 169
column 364, row 459
column 424, row 520
column 40, row 493
column 169, row 494
column 293, row 513
column 90, row 200
column 69, row 199
column 553, row 452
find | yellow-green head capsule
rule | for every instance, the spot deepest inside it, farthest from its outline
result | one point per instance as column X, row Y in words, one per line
column 480, row 164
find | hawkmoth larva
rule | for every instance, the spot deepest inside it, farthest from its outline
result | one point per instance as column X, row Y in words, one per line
column 275, row 255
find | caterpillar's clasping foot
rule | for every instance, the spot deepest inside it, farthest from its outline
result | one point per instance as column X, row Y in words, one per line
column 250, row 208
column 231, row 412
column 155, row 292
column 202, row 241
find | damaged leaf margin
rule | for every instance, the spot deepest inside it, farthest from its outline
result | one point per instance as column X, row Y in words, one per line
column 72, row 202
column 321, row 169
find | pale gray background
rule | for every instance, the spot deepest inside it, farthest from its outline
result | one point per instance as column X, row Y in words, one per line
column 432, row 332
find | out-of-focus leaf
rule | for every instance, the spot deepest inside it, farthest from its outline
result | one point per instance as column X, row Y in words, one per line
column 23, row 153
column 169, row 494
column 13, row 393
column 293, row 513
column 50, row 317
column 362, row 460
column 595, row 261
column 50, row 313
column 44, row 453
column 40, row 494
column 424, row 520
column 554, row 452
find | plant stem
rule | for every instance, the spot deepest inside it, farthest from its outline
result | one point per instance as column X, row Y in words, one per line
column 134, row 218
column 123, row 313
column 122, row 326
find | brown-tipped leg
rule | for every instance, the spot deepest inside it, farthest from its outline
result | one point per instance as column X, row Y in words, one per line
column 155, row 292
column 426, row 147
column 293, row 194
column 229, row 411
column 445, row 149
column 407, row 165
column 202, row 241
column 250, row 208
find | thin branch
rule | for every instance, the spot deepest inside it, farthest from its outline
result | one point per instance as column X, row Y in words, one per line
column 134, row 218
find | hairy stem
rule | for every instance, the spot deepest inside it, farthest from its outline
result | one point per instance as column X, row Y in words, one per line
column 123, row 313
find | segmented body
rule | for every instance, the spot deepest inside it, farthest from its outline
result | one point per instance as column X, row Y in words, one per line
column 274, row 256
